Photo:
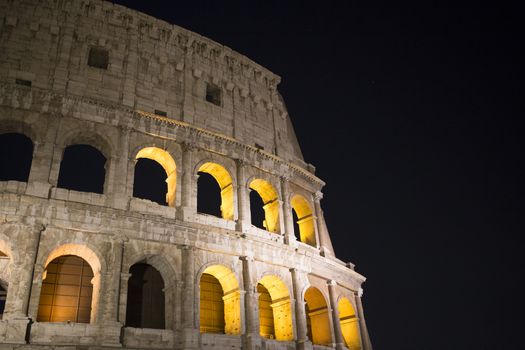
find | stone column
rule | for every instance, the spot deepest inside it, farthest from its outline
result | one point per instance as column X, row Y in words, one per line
column 300, row 312
column 187, row 210
column 365, row 338
column 252, row 339
column 190, row 326
column 289, row 234
column 244, row 221
column 339, row 341
column 38, row 182
column 119, row 192
column 16, row 313
column 325, row 244
column 123, row 302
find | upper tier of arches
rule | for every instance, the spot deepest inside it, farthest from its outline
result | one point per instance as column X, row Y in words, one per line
column 206, row 189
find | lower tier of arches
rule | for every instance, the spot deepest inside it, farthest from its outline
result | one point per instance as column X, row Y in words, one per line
column 70, row 287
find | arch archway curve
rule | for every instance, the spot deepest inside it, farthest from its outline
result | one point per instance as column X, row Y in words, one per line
column 92, row 138
column 222, row 175
column 23, row 128
column 165, row 157
column 158, row 261
column 83, row 250
column 278, row 277
column 225, row 181
column 266, row 179
column 88, row 253
column 222, row 268
column 172, row 148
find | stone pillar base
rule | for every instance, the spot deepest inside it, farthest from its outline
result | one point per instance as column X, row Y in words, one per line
column 340, row 346
column 110, row 334
column 252, row 341
column 190, row 338
column 186, row 214
column 243, row 226
column 304, row 345
column 38, row 189
column 13, row 330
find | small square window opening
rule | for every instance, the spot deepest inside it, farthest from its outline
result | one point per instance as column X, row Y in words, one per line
column 98, row 58
column 213, row 94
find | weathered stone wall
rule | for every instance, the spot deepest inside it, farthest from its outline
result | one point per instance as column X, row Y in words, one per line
column 152, row 66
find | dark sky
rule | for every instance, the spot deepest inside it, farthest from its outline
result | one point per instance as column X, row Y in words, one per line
column 411, row 116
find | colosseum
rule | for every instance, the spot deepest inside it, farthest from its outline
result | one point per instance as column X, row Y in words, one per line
column 101, row 109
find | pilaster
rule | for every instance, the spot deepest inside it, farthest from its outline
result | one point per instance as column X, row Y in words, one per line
column 251, row 337
column 300, row 312
column 365, row 338
column 244, row 220
column 289, row 234
column 338, row 334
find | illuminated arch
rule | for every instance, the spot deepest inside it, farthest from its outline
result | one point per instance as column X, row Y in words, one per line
column 168, row 164
column 223, row 178
column 349, row 324
column 91, row 258
column 317, row 317
column 305, row 220
column 277, row 306
column 271, row 203
column 220, row 303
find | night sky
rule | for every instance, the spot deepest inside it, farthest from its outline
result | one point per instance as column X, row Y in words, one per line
column 411, row 116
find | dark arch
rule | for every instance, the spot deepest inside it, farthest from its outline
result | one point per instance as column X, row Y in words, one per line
column 150, row 181
column 145, row 306
column 67, row 291
column 257, row 210
column 296, row 225
column 16, row 152
column 82, row 169
column 208, row 195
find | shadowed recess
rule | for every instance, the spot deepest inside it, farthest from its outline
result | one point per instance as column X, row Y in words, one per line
column 208, row 195
column 82, row 169
column 145, row 306
column 150, row 181
column 16, row 152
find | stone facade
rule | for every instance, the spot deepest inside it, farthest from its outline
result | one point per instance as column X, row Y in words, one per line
column 132, row 86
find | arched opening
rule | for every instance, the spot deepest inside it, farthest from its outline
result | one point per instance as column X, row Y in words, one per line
column 265, row 313
column 317, row 317
column 220, row 304
column 16, row 152
column 208, row 195
column 215, row 191
column 67, row 291
column 305, row 220
column 256, row 210
column 349, row 324
column 145, row 305
column 82, row 169
column 270, row 204
column 150, row 181
column 4, row 281
column 275, row 313
column 165, row 160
